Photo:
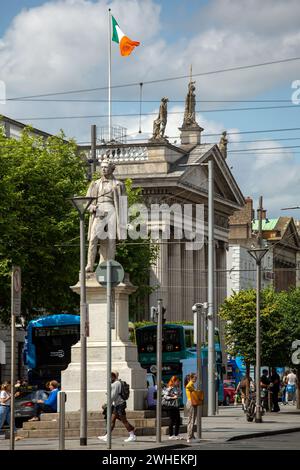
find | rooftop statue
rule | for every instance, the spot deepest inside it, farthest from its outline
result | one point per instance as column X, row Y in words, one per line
column 159, row 125
column 223, row 144
column 189, row 118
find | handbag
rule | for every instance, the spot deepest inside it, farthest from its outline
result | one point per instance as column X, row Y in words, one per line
column 169, row 404
column 197, row 397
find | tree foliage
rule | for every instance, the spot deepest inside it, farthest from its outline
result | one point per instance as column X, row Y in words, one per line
column 37, row 222
column 39, row 229
column 279, row 321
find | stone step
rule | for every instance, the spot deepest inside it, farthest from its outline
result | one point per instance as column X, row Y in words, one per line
column 91, row 432
column 98, row 415
column 95, row 423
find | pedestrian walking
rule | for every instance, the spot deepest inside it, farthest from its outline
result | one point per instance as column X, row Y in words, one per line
column 264, row 385
column 275, row 386
column 119, row 408
column 291, row 386
column 5, row 400
column 241, row 389
column 170, row 402
column 284, row 394
column 191, row 409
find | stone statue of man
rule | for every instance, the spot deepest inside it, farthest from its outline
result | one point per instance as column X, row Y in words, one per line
column 223, row 144
column 159, row 125
column 104, row 223
column 190, row 104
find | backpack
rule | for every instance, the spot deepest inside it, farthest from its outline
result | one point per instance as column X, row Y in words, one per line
column 125, row 390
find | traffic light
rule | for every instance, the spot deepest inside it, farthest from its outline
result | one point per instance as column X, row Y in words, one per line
column 163, row 311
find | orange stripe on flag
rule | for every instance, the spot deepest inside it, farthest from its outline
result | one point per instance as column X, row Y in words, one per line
column 127, row 45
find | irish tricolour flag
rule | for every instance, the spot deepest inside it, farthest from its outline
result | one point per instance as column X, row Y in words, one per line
column 126, row 44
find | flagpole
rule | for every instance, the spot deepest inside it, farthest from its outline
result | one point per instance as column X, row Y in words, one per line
column 109, row 75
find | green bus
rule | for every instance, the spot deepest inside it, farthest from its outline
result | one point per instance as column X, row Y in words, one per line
column 177, row 346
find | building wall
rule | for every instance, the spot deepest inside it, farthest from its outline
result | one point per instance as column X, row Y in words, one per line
column 5, row 368
column 241, row 270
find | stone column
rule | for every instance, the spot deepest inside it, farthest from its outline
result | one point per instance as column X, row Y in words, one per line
column 159, row 276
column 124, row 352
column 188, row 282
column 175, row 280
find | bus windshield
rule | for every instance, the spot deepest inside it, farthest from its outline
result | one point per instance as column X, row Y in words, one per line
column 146, row 340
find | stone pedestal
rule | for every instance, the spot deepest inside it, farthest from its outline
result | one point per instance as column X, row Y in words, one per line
column 190, row 135
column 124, row 352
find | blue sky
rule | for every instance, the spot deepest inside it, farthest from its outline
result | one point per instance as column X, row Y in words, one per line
column 62, row 45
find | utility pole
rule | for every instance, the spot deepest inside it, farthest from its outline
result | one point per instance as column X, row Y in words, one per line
column 258, row 289
column 198, row 334
column 93, row 147
column 257, row 254
column 108, row 354
column 159, row 367
column 211, row 290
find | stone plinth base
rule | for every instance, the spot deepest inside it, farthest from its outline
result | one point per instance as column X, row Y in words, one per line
column 190, row 135
column 124, row 352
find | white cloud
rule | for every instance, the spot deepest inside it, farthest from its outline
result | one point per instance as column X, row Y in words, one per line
column 62, row 45
column 273, row 173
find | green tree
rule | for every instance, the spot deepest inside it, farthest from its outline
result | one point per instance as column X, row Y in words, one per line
column 239, row 311
column 37, row 223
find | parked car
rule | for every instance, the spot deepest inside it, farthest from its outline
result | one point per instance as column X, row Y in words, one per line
column 24, row 404
column 229, row 392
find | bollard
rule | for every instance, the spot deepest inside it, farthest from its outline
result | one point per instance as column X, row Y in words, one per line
column 269, row 401
column 62, row 397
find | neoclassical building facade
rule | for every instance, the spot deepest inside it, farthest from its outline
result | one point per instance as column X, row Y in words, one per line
column 178, row 174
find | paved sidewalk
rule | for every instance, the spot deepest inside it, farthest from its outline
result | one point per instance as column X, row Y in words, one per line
column 230, row 424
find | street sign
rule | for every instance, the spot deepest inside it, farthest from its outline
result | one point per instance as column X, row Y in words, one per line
column 16, row 291
column 296, row 352
column 117, row 273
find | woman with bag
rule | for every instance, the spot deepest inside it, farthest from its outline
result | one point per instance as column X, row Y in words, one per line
column 193, row 400
column 170, row 402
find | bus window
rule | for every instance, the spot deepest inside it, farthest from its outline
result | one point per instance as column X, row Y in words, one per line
column 146, row 340
column 189, row 338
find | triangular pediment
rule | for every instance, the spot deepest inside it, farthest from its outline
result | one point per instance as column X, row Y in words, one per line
column 290, row 234
column 196, row 175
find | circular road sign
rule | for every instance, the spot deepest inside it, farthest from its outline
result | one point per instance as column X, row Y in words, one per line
column 117, row 273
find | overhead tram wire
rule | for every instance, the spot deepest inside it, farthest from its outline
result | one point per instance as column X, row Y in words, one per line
column 259, row 108
column 79, row 100
column 230, row 69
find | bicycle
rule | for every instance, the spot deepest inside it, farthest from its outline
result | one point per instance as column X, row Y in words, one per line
column 251, row 407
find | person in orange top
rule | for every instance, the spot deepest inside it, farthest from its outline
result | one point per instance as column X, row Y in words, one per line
column 192, row 410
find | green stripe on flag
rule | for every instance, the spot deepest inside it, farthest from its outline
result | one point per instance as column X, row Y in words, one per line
column 115, row 36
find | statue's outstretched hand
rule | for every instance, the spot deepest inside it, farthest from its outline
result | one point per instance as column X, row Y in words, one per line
column 92, row 208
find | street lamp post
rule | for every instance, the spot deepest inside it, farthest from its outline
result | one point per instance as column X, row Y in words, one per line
column 159, row 337
column 258, row 254
column 198, row 310
column 81, row 204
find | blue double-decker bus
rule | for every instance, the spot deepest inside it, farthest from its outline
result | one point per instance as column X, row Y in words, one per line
column 48, row 343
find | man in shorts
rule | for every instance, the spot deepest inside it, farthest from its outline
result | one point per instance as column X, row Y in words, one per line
column 118, row 409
